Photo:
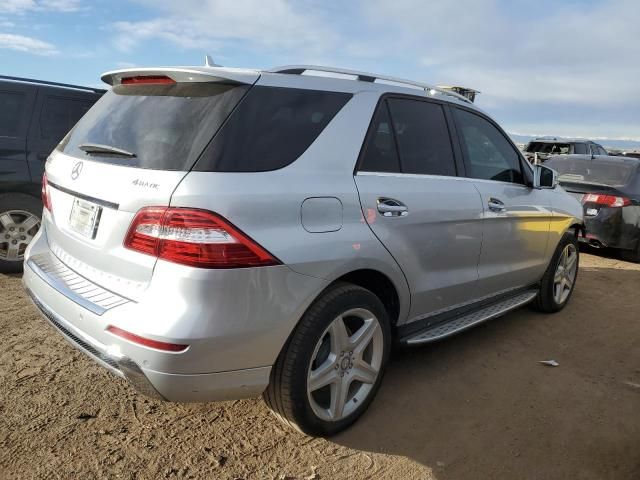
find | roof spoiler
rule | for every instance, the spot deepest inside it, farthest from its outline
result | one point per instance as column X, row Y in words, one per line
column 188, row 74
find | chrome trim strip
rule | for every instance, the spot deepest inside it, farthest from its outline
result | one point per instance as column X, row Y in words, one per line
column 97, row 201
column 119, row 365
column 72, row 285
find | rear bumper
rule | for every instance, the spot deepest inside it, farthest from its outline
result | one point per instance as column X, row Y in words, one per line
column 234, row 323
column 613, row 228
column 161, row 386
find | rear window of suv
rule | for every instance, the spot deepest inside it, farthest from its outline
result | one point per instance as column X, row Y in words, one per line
column 166, row 126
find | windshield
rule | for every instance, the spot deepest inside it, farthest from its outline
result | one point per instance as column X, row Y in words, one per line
column 548, row 147
column 164, row 127
column 610, row 173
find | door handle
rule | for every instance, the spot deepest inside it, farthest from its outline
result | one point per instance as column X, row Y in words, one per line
column 389, row 207
column 496, row 205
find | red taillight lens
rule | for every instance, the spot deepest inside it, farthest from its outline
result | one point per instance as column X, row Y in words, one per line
column 193, row 237
column 147, row 80
column 606, row 200
column 46, row 198
column 146, row 342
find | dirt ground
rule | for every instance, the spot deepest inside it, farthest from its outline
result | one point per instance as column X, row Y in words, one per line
column 477, row 406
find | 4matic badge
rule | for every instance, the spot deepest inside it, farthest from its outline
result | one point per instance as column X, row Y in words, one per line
column 144, row 184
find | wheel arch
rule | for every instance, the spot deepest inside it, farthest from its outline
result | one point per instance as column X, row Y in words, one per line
column 380, row 285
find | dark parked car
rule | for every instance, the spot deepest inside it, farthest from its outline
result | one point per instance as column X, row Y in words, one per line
column 609, row 188
column 34, row 117
column 547, row 147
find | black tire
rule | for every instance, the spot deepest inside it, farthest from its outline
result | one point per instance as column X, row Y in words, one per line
column 545, row 301
column 287, row 394
column 12, row 202
column 631, row 255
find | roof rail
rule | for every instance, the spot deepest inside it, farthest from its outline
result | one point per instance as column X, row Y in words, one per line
column 52, row 84
column 365, row 77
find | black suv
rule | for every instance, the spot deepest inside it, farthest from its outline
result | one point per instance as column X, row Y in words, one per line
column 546, row 147
column 34, row 117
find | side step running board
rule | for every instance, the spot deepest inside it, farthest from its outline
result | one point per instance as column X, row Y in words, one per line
column 469, row 319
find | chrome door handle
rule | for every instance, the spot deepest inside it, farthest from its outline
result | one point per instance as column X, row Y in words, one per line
column 389, row 207
column 496, row 205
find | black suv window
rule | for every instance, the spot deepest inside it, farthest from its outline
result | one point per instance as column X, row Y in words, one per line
column 489, row 155
column 270, row 129
column 380, row 154
column 58, row 115
column 423, row 137
column 12, row 106
column 581, row 149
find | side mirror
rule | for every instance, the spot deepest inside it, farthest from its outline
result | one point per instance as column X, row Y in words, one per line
column 544, row 177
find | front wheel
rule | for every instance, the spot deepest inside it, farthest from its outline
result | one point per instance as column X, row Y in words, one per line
column 20, row 216
column 558, row 282
column 331, row 367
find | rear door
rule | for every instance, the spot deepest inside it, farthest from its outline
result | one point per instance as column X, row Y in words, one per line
column 95, row 193
column 426, row 216
column 516, row 217
column 16, row 106
column 57, row 111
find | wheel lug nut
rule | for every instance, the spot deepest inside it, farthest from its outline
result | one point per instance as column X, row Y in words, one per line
column 14, row 242
column 7, row 236
column 22, row 237
column 11, row 229
column 21, row 230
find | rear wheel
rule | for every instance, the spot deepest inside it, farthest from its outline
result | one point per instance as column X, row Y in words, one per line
column 558, row 282
column 20, row 216
column 331, row 367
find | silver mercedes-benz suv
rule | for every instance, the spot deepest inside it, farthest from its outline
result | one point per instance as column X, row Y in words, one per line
column 215, row 233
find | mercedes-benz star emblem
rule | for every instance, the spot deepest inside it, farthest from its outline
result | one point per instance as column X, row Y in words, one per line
column 77, row 168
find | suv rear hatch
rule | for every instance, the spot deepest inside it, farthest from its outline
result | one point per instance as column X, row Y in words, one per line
column 130, row 151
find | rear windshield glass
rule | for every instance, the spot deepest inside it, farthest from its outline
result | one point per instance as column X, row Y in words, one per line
column 608, row 173
column 166, row 127
column 548, row 147
column 270, row 129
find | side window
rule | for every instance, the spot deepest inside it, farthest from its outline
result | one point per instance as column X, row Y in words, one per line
column 379, row 154
column 54, row 118
column 601, row 151
column 580, row 149
column 488, row 153
column 12, row 105
column 270, row 129
column 423, row 138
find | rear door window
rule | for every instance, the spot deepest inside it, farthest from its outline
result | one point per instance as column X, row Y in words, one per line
column 580, row 149
column 423, row 137
column 488, row 153
column 379, row 153
column 59, row 115
column 270, row 129
column 12, row 113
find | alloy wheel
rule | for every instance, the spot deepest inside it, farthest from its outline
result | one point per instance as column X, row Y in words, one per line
column 17, row 229
column 565, row 275
column 345, row 364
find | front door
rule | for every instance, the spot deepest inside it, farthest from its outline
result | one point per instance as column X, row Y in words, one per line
column 516, row 217
column 425, row 215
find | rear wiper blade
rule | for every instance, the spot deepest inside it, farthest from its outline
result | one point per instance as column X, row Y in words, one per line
column 109, row 150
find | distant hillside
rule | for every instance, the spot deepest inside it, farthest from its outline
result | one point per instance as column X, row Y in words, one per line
column 605, row 142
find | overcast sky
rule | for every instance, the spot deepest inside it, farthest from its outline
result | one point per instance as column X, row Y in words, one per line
column 554, row 67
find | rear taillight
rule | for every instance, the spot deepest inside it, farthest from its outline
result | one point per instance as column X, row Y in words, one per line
column 148, row 80
column 194, row 237
column 146, row 342
column 606, row 200
column 46, row 198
